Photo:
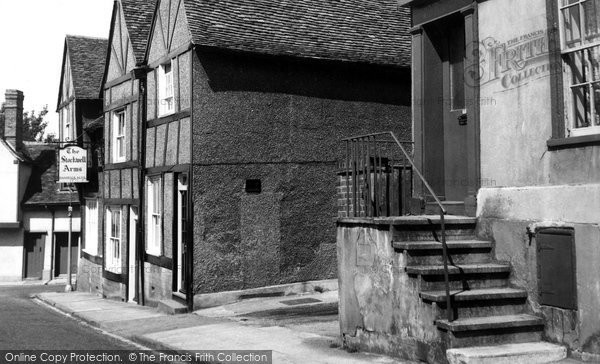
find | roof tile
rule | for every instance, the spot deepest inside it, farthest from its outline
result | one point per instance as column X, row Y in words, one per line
column 138, row 17
column 369, row 31
column 87, row 56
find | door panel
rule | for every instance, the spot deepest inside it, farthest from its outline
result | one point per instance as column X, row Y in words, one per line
column 61, row 257
column 444, row 146
column 455, row 132
column 34, row 254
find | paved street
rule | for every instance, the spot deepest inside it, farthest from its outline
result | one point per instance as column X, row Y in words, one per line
column 25, row 324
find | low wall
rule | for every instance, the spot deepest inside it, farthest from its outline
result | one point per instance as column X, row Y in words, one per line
column 89, row 276
column 380, row 309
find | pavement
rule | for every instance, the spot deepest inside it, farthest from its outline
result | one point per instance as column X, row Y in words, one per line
column 297, row 328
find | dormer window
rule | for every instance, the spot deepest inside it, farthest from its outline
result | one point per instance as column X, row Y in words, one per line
column 166, row 98
column 119, row 136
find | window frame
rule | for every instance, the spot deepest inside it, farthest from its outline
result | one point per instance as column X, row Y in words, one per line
column 92, row 248
column 119, row 136
column 568, row 90
column 154, row 215
column 166, row 89
column 113, row 257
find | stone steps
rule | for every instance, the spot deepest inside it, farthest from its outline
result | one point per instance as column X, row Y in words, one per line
column 485, row 294
column 459, row 251
column 435, row 245
column 484, row 268
column 490, row 323
column 428, row 228
column 487, row 310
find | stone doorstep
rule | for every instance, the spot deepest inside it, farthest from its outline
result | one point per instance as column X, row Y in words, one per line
column 171, row 307
column 526, row 353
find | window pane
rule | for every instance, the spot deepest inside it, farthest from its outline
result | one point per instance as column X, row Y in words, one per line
column 596, row 112
column 581, row 106
column 571, row 26
column 593, row 59
column 568, row 2
column 575, row 61
column 592, row 20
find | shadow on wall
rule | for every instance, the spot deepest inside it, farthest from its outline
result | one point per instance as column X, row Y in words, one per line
column 236, row 71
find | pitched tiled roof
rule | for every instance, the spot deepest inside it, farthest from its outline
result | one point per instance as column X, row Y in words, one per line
column 138, row 17
column 42, row 188
column 370, row 31
column 87, row 56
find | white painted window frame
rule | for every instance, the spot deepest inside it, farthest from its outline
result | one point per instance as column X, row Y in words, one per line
column 119, row 134
column 113, row 257
column 91, row 227
column 154, row 215
column 585, row 43
column 166, row 94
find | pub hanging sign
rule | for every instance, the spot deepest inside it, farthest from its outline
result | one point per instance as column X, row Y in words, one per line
column 72, row 164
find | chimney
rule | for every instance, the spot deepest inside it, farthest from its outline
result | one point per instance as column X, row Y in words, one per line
column 13, row 118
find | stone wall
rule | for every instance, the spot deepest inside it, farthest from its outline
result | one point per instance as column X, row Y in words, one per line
column 278, row 120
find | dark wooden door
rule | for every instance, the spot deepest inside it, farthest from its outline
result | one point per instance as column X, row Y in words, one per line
column 61, row 256
column 454, row 112
column 34, row 254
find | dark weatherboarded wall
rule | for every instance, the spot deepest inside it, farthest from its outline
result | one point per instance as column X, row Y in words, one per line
column 279, row 120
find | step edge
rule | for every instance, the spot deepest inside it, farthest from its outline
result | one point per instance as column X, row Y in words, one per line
column 524, row 321
column 439, row 269
column 440, row 296
column 452, row 244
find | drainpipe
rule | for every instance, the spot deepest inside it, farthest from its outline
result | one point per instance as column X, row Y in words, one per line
column 51, row 245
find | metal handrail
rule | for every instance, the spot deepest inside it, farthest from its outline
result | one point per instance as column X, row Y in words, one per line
column 443, row 212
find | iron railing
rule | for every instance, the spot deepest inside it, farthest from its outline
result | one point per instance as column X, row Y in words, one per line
column 372, row 170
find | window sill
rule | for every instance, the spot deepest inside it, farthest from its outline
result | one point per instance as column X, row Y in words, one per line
column 160, row 261
column 573, row 142
column 96, row 259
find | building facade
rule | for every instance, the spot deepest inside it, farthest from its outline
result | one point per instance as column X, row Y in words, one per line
column 79, row 108
column 219, row 154
column 242, row 135
column 505, row 120
column 34, row 222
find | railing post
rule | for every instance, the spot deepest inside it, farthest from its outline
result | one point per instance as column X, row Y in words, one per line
column 449, row 313
column 347, row 178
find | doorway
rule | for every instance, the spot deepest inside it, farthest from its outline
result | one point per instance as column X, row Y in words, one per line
column 447, row 116
column 182, row 232
column 132, row 263
column 34, row 255
column 61, row 255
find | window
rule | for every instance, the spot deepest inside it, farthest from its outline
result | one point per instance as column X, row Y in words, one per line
column 119, row 136
column 113, row 241
column 166, row 99
column 580, row 48
column 154, row 216
column 253, row 186
column 91, row 227
column 67, row 120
